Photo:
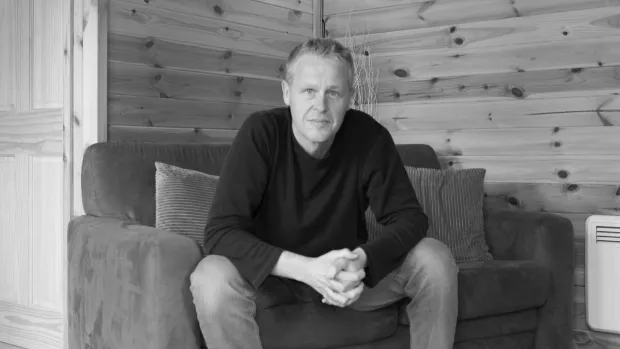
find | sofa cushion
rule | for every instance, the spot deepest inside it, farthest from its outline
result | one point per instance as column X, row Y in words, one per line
column 290, row 315
column 118, row 178
column 453, row 201
column 496, row 287
column 183, row 200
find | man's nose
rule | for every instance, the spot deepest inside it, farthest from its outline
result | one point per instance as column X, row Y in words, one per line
column 320, row 102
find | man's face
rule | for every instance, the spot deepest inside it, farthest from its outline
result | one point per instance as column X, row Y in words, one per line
column 318, row 96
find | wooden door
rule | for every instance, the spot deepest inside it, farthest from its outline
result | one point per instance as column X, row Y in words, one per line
column 33, row 212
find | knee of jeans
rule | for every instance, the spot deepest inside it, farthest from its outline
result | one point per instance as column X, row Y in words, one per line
column 212, row 278
column 435, row 258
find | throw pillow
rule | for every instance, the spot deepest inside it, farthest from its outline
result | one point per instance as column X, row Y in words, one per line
column 183, row 200
column 453, row 201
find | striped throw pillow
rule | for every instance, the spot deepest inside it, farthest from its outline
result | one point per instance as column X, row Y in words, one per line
column 453, row 201
column 183, row 200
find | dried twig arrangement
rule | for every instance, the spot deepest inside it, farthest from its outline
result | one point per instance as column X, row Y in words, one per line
column 365, row 78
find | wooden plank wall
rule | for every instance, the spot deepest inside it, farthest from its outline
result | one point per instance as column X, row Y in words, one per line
column 193, row 70
column 528, row 89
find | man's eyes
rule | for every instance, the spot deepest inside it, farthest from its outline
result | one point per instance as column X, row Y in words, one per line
column 329, row 93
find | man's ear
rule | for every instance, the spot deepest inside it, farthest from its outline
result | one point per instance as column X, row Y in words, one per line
column 286, row 92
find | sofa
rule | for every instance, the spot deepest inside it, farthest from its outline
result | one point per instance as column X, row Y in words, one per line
column 128, row 282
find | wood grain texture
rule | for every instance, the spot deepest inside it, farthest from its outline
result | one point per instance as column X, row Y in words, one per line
column 346, row 6
column 299, row 5
column 546, row 28
column 537, row 111
column 47, row 54
column 137, row 80
column 567, row 54
column 165, row 54
column 36, row 133
column 246, row 12
column 170, row 135
column 570, row 169
column 18, row 322
column 166, row 112
column 145, row 21
column 406, row 16
column 556, row 197
column 519, row 85
column 517, row 141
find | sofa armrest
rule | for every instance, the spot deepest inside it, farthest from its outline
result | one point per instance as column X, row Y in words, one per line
column 129, row 286
column 548, row 239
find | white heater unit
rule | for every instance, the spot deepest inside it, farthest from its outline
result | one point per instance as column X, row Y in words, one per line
column 603, row 273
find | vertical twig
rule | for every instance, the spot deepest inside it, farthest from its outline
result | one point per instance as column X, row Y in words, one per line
column 365, row 78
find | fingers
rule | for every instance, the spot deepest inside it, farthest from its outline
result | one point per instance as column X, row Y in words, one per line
column 350, row 296
column 334, row 298
column 345, row 275
column 345, row 252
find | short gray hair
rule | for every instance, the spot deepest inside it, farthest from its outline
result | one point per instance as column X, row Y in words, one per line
column 322, row 47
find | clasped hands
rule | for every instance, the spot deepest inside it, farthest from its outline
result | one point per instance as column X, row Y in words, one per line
column 337, row 276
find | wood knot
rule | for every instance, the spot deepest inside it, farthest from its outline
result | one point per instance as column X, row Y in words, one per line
column 600, row 64
column 618, row 192
column 147, row 1
column 227, row 54
column 485, row 86
column 366, row 53
column 557, row 144
column 512, row 200
column 196, row 130
column 448, row 140
column 563, row 174
column 237, row 93
column 396, row 94
column 572, row 187
column 461, row 87
column 517, row 92
column 133, row 12
column 281, row 68
column 576, row 70
column 240, row 78
column 230, row 116
column 450, row 163
column 433, row 81
column 556, row 129
column 457, row 153
column 157, row 77
column 218, row 10
column 401, row 73
column 452, row 29
column 458, row 41
column 163, row 95
column 565, row 33
column 149, row 44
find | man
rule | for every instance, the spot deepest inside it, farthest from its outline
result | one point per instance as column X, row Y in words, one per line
column 290, row 206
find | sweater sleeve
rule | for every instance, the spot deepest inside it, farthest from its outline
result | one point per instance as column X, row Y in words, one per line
column 395, row 204
column 230, row 230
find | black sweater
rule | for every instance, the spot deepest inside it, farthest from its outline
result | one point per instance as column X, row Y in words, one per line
column 273, row 196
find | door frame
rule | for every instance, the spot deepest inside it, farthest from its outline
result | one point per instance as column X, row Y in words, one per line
column 85, row 113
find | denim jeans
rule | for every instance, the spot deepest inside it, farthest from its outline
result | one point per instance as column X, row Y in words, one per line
column 226, row 304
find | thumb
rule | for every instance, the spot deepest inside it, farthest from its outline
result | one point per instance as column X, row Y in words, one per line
column 346, row 253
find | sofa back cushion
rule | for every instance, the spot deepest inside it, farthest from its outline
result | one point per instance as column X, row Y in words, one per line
column 118, row 178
